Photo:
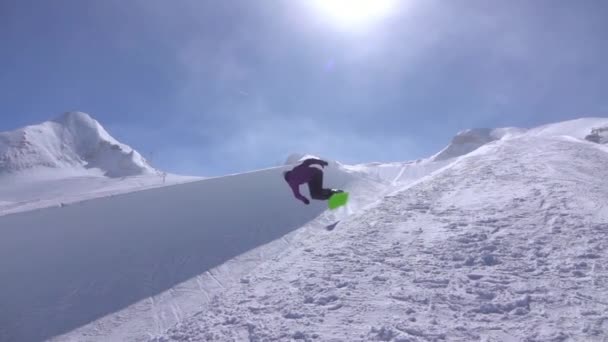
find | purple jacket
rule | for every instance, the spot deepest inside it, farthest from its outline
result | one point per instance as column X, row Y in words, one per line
column 301, row 174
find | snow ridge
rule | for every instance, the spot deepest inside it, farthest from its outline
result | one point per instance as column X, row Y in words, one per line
column 471, row 139
column 467, row 141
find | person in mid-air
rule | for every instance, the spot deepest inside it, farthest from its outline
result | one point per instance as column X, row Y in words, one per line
column 306, row 173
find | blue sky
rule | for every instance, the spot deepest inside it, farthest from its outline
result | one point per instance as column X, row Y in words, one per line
column 214, row 87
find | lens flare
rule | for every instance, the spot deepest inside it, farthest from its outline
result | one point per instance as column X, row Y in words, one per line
column 354, row 13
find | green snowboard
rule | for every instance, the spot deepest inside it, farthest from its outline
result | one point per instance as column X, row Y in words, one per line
column 337, row 200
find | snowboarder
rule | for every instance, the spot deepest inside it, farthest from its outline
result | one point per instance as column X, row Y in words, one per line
column 305, row 173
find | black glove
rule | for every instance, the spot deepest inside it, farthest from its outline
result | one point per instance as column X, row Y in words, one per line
column 306, row 201
column 324, row 163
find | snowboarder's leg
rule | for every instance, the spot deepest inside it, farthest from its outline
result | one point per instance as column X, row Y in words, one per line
column 327, row 193
column 315, row 185
column 316, row 188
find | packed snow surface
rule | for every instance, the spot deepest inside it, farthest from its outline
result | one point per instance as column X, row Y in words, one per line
column 502, row 236
column 158, row 254
column 509, row 243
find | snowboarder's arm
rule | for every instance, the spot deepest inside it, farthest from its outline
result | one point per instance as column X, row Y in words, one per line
column 312, row 161
column 297, row 194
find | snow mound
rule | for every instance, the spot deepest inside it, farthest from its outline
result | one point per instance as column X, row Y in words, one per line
column 579, row 128
column 469, row 140
column 74, row 142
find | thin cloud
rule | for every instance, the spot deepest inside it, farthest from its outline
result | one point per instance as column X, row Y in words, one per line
column 274, row 139
column 243, row 87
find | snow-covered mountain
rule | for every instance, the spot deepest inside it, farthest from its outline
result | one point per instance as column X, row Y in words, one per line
column 74, row 143
column 70, row 159
column 501, row 238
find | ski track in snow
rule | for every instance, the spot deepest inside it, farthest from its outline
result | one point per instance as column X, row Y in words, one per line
column 507, row 244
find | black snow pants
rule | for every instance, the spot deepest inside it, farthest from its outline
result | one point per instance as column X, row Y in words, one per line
column 315, row 185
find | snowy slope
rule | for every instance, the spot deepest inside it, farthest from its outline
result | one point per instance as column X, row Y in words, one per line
column 135, row 264
column 74, row 142
column 465, row 247
column 509, row 243
column 399, row 173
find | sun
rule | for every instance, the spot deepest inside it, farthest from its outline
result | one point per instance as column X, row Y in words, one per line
column 354, row 13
